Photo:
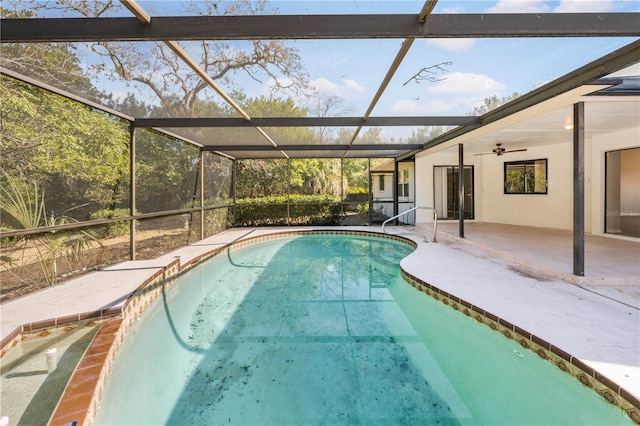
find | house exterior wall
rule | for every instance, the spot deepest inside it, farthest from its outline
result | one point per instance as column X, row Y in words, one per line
column 424, row 180
column 387, row 192
column 551, row 210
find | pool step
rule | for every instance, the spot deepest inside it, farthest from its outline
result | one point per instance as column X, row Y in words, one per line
column 385, row 264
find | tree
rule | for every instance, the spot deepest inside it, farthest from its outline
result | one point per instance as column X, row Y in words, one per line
column 79, row 156
column 492, row 103
column 176, row 87
column 53, row 63
column 324, row 105
column 166, row 172
column 424, row 134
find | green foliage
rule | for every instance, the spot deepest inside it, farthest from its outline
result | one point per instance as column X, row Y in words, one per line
column 315, row 176
column 74, row 152
column 25, row 205
column 216, row 220
column 356, row 174
column 113, row 229
column 166, row 172
column 272, row 210
column 492, row 103
column 259, row 178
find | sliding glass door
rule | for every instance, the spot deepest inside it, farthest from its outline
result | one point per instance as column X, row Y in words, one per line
column 446, row 200
column 622, row 192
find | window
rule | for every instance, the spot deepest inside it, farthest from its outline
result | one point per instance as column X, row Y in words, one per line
column 381, row 182
column 525, row 177
column 403, row 183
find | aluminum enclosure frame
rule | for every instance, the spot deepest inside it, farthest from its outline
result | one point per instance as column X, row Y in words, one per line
column 304, row 27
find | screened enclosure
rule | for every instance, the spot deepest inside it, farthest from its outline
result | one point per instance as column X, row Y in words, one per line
column 131, row 129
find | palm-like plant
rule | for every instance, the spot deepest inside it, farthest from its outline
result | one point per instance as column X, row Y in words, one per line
column 25, row 204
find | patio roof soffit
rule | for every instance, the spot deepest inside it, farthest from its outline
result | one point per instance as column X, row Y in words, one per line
column 573, row 85
column 563, row 100
column 278, row 27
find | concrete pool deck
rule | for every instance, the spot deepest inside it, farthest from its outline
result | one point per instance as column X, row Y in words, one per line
column 520, row 274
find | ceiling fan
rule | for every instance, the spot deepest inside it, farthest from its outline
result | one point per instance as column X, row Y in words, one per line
column 499, row 150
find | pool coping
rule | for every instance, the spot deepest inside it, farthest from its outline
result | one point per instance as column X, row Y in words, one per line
column 82, row 395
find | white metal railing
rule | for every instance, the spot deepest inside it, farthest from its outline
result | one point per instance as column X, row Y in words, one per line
column 435, row 221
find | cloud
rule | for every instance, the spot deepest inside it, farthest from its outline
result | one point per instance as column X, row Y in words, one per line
column 569, row 6
column 452, row 44
column 453, row 9
column 468, row 83
column 458, row 92
column 415, row 107
column 564, row 6
column 346, row 89
column 519, row 6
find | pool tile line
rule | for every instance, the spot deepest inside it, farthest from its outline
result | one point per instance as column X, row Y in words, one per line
column 587, row 375
column 101, row 314
column 79, row 398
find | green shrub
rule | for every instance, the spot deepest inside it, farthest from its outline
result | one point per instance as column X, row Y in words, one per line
column 112, row 229
column 303, row 210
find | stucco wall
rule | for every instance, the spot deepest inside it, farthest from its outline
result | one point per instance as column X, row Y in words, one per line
column 387, row 192
column 551, row 210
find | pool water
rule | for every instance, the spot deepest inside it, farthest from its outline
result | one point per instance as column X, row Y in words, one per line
column 29, row 393
column 321, row 329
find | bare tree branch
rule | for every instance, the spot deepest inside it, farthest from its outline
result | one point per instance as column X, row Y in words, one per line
column 430, row 73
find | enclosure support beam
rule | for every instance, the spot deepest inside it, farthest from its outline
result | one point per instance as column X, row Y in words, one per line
column 288, row 191
column 370, row 191
column 429, row 120
column 461, row 190
column 342, row 212
column 132, row 191
column 202, row 195
column 396, row 182
column 578, row 189
column 234, row 176
column 305, row 27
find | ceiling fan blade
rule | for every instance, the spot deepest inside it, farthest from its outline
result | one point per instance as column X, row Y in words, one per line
column 514, row 150
column 486, row 153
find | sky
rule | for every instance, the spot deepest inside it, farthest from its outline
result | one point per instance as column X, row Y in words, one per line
column 475, row 68
column 470, row 70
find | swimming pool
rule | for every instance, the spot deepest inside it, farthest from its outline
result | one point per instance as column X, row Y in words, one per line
column 322, row 329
